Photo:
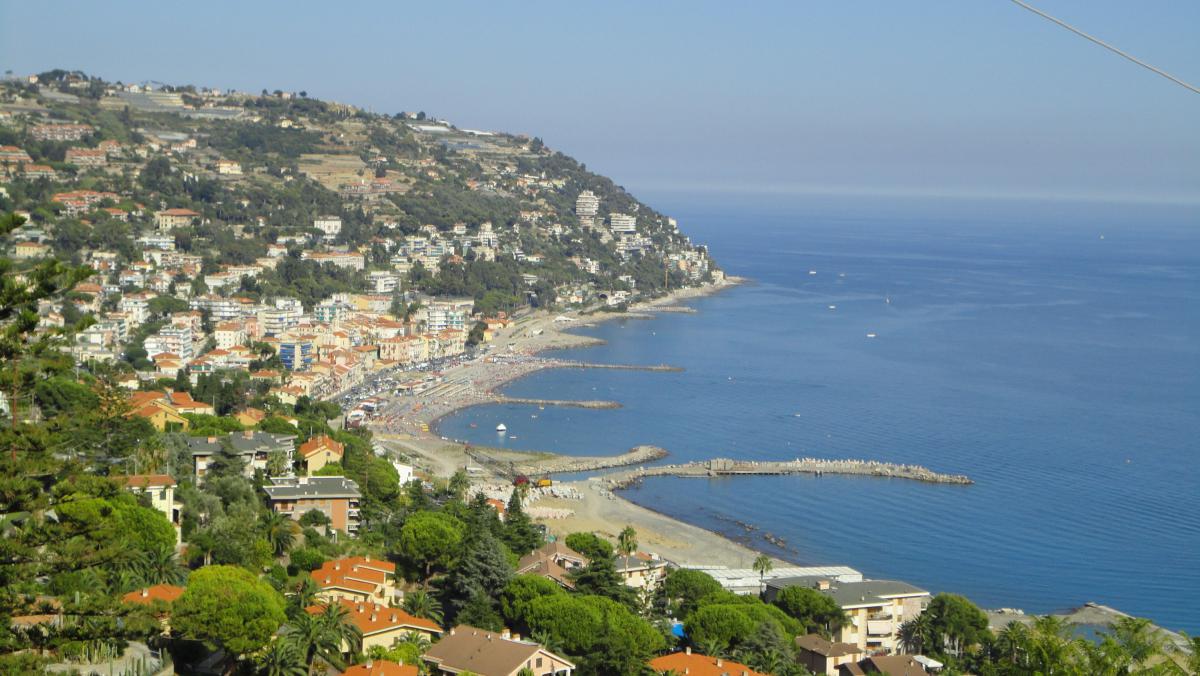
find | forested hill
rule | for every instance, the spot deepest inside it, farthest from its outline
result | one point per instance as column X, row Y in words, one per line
column 234, row 178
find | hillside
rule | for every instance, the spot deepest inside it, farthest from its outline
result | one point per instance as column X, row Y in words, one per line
column 255, row 186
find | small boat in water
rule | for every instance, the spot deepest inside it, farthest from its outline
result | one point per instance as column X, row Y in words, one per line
column 870, row 335
column 501, row 428
column 812, row 272
column 832, row 307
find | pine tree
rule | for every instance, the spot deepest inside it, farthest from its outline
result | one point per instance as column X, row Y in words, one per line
column 519, row 532
column 482, row 571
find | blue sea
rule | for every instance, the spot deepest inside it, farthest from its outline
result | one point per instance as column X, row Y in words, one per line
column 1047, row 349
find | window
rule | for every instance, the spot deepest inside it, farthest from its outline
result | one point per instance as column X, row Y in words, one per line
column 539, row 661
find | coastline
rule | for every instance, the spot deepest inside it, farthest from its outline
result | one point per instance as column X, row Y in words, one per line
column 597, row 509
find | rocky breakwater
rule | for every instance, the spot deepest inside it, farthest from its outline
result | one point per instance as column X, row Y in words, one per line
column 816, row 466
column 571, row 403
column 562, row 463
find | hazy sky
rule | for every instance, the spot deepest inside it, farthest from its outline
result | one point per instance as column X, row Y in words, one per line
column 924, row 96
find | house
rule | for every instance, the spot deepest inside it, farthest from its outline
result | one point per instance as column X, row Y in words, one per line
column 249, row 417
column 553, row 560
column 641, row 570
column 489, row 653
column 229, row 168
column 358, row 579
column 254, row 447
column 381, row 668
column 166, row 593
column 158, row 408
column 875, row 608
column 821, row 656
column 695, row 664
column 320, row 451
column 174, row 218
column 382, row 626
column 86, row 157
column 60, row 132
column 161, row 490
column 25, row 250
column 334, row 496
column 33, row 171
column 889, row 665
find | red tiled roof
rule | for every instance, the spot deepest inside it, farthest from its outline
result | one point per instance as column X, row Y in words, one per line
column 159, row 592
column 381, row 668
column 320, row 443
column 372, row 618
column 695, row 664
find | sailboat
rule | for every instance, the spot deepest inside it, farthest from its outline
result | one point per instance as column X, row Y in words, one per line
column 501, row 428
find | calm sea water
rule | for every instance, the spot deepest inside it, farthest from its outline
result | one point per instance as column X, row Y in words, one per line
column 1047, row 350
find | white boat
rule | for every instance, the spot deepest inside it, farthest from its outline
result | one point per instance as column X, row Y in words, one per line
column 502, row 428
column 812, row 272
column 832, row 307
column 870, row 335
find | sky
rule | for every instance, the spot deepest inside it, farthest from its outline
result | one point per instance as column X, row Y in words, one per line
column 924, row 97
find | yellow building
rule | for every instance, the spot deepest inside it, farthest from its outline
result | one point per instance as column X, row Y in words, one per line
column 320, row 451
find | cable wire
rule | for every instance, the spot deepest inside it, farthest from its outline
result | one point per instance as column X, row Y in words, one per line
column 1105, row 45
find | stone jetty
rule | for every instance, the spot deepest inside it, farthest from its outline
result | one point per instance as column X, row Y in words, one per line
column 562, row 464
column 572, row 403
column 727, row 467
column 618, row 367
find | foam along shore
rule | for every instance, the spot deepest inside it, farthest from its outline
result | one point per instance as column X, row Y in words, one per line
column 727, row 467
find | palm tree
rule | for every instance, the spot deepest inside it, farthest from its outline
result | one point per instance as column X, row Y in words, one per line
column 422, row 604
column 326, row 635
column 281, row 532
column 627, row 541
column 712, row 647
column 162, row 567
column 281, row 658
column 914, row 634
column 303, row 595
column 1138, row 638
column 762, row 566
column 1012, row 643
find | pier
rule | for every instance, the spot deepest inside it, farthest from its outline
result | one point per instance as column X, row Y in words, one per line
column 726, row 467
column 571, row 403
column 619, row 367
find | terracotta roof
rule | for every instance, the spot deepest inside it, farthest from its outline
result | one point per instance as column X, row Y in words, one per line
column 372, row 618
column 365, row 562
column 149, row 481
column 159, row 592
column 381, row 668
column 695, row 664
column 320, row 443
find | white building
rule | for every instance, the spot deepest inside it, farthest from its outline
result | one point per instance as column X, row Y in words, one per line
column 587, row 205
column 330, row 226
column 623, row 224
column 176, row 340
column 383, row 281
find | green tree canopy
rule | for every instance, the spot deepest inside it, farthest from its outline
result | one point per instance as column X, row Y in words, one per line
column 430, row 540
column 229, row 608
column 817, row 612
